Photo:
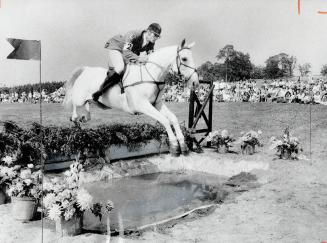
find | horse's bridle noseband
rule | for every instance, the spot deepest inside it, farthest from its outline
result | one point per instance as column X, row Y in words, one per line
column 179, row 63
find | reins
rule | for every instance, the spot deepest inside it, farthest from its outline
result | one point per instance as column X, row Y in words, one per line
column 179, row 63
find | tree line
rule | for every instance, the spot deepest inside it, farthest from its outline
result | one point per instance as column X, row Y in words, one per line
column 234, row 65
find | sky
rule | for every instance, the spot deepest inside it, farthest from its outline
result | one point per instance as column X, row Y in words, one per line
column 73, row 32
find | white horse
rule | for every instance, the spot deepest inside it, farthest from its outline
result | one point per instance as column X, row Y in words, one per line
column 143, row 86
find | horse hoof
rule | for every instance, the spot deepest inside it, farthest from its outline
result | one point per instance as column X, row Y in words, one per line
column 174, row 150
column 184, row 149
column 83, row 119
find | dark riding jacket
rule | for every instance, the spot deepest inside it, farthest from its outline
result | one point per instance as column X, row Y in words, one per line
column 130, row 45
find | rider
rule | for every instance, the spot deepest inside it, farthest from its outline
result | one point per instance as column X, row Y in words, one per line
column 127, row 48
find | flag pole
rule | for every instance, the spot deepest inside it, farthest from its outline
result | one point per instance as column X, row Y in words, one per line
column 41, row 137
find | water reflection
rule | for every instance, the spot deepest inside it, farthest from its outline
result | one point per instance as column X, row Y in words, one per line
column 150, row 198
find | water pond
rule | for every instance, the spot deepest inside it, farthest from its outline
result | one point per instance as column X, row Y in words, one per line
column 146, row 199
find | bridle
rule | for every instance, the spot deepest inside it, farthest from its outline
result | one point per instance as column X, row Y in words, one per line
column 179, row 63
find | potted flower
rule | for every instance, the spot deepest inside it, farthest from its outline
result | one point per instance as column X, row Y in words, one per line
column 65, row 202
column 7, row 173
column 248, row 141
column 287, row 147
column 222, row 142
column 25, row 191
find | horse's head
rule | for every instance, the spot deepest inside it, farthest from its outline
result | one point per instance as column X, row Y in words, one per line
column 185, row 66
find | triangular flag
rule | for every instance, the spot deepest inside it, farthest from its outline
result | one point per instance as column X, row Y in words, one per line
column 25, row 49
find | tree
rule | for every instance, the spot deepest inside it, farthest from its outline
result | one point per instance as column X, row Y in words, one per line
column 211, row 71
column 324, row 70
column 288, row 64
column 281, row 65
column 304, row 69
column 237, row 64
column 257, row 72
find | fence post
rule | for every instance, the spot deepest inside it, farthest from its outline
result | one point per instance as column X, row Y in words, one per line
column 191, row 109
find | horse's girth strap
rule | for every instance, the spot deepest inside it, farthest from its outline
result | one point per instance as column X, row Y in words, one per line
column 142, row 82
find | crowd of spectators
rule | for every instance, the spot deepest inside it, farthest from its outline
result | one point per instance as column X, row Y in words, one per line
column 297, row 90
column 33, row 97
column 300, row 90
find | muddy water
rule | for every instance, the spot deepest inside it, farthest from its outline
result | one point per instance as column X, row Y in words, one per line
column 150, row 198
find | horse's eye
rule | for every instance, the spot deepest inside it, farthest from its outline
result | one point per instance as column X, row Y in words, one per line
column 184, row 59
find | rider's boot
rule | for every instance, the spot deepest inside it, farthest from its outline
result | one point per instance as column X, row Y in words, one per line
column 109, row 81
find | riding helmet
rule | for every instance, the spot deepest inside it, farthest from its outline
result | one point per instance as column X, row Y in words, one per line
column 155, row 28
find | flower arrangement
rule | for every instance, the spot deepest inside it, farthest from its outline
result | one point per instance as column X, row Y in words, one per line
column 8, row 171
column 249, row 140
column 20, row 181
column 24, row 181
column 287, row 146
column 65, row 199
column 221, row 140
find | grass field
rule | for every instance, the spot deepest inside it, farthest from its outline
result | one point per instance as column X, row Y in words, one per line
column 271, row 118
column 288, row 206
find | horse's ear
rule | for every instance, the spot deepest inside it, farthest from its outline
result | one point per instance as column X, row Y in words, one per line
column 191, row 45
column 183, row 43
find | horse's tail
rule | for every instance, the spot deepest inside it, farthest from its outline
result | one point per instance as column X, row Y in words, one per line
column 67, row 103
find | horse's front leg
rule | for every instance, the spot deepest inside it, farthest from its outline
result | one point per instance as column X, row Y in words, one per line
column 174, row 121
column 148, row 109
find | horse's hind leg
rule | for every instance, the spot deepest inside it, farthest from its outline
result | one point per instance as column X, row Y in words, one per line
column 88, row 113
column 74, row 115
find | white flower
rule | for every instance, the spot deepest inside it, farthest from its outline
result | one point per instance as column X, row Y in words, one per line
column 55, row 180
column 84, row 199
column 253, row 134
column 66, row 193
column 9, row 191
column 65, row 203
column 31, row 166
column 57, row 188
column 272, row 139
column 34, row 192
column 211, row 135
column 279, row 142
column 19, row 187
column 8, row 160
column 28, row 182
column 17, row 167
column 47, row 186
column 25, row 174
column 224, row 133
column 54, row 212
column 37, row 175
column 67, row 173
column 259, row 132
column 109, row 206
column 11, row 173
column 69, row 213
column 49, row 199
